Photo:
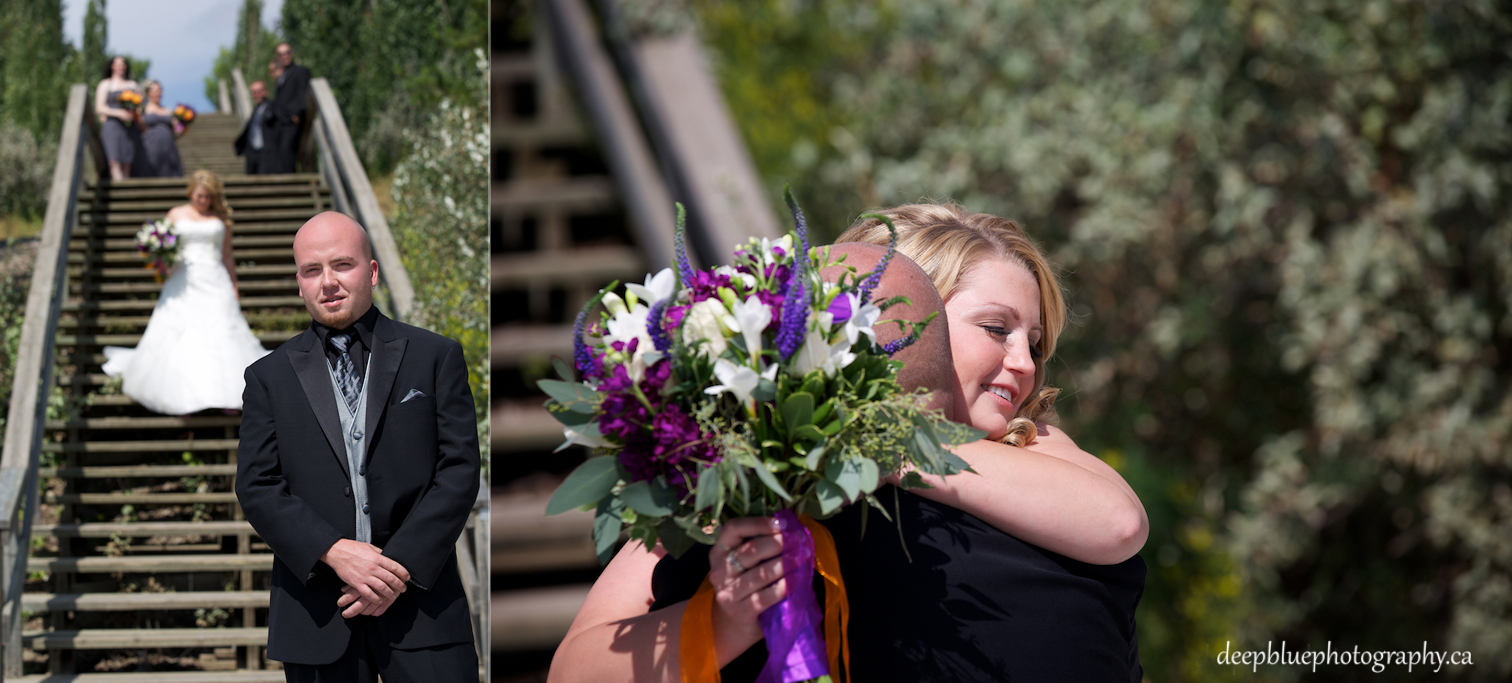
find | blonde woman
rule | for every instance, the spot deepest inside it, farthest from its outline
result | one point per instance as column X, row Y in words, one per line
column 197, row 344
column 1026, row 572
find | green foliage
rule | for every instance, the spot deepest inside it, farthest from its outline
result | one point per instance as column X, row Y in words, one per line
column 250, row 51
column 441, row 226
column 15, row 283
column 1284, row 224
column 33, row 61
column 389, row 62
column 26, row 165
column 91, row 63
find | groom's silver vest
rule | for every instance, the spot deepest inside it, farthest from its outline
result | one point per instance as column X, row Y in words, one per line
column 356, row 441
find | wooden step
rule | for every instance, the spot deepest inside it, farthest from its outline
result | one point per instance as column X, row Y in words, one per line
column 138, row 471
column 236, row 676
column 283, row 286
column 238, row 205
column 534, row 619
column 516, row 425
column 129, row 244
column 136, row 218
column 254, row 319
column 141, row 272
column 119, row 498
column 512, row 344
column 225, row 527
column 592, row 265
column 241, row 228
column 581, row 194
column 155, row 422
column 110, row 639
column 247, row 302
column 151, row 564
column 229, row 182
column 127, row 602
column 275, row 338
column 170, row 445
column 75, row 258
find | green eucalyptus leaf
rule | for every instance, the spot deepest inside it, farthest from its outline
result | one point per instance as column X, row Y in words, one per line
column 822, row 413
column 850, row 479
column 815, row 455
column 674, row 538
column 766, row 390
column 575, row 396
column 606, row 530
column 808, row 432
column 912, row 480
column 587, row 484
column 710, row 488
column 647, row 498
column 871, row 475
column 830, row 497
column 766, row 477
column 955, row 433
column 570, row 418
column 563, row 370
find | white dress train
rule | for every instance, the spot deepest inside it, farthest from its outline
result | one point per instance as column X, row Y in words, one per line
column 197, row 344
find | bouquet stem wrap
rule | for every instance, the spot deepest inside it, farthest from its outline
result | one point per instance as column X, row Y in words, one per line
column 796, row 650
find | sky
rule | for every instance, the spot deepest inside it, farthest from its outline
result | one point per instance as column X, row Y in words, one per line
column 181, row 37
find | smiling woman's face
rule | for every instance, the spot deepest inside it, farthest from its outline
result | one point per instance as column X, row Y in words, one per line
column 995, row 329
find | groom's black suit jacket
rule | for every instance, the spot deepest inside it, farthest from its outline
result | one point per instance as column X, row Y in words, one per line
column 422, row 477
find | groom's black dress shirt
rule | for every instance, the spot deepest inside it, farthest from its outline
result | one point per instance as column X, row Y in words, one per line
column 361, row 332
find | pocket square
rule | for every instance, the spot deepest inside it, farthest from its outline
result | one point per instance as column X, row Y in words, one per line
column 413, row 393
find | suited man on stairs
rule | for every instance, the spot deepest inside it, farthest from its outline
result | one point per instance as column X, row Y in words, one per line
column 358, row 465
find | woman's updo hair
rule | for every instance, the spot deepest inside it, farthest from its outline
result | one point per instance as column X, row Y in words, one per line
column 208, row 180
column 946, row 241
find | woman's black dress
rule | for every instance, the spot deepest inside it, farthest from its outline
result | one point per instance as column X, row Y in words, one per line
column 975, row 604
column 119, row 139
column 161, row 151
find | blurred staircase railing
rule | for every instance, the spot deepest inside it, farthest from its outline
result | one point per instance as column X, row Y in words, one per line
column 34, row 370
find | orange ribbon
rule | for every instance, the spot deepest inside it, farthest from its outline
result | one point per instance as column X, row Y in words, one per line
column 700, row 664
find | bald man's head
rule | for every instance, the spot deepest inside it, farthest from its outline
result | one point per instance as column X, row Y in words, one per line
column 927, row 363
column 335, row 269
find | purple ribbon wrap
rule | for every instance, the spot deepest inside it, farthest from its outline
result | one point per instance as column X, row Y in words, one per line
column 795, row 643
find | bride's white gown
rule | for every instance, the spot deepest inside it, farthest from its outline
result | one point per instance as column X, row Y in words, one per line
column 197, row 344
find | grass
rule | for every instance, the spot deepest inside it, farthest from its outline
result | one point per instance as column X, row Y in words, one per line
column 19, row 226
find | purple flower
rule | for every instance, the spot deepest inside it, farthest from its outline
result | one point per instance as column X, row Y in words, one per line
column 674, row 317
column 705, row 285
column 580, row 355
column 794, row 322
column 799, row 224
column 871, row 281
column 899, row 344
column 654, row 325
column 840, row 308
column 679, row 244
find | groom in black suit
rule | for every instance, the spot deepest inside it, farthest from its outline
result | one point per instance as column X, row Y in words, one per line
column 358, row 465
column 290, row 100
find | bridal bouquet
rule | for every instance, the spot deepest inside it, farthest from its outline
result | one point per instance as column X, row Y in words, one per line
column 756, row 388
column 130, row 100
column 158, row 243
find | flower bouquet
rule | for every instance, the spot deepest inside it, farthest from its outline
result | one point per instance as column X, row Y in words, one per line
column 130, row 100
column 158, row 243
column 756, row 388
column 183, row 115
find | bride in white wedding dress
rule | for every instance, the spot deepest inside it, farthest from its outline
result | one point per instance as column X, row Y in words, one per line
column 197, row 344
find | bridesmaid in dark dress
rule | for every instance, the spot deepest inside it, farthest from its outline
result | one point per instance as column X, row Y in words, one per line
column 161, row 151
column 1027, row 571
column 118, row 127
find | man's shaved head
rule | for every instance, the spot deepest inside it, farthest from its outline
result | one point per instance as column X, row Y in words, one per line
column 927, row 363
column 334, row 265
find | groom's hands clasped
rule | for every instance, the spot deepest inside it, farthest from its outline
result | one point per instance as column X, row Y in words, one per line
column 373, row 581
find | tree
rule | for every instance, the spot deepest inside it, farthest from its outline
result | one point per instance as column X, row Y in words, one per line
column 95, row 38
column 33, row 55
column 250, row 51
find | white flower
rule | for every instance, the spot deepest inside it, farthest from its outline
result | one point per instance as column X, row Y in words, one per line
column 628, row 324
column 703, row 322
column 657, row 287
column 861, row 320
column 738, row 379
column 811, row 355
column 614, row 303
column 752, row 316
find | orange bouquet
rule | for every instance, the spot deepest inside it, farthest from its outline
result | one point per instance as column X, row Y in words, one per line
column 130, row 100
column 184, row 114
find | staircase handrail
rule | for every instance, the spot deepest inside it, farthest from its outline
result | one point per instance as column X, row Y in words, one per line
column 241, row 97
column 34, row 370
column 353, row 194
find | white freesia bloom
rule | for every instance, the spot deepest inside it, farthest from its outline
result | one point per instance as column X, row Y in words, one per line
column 811, row 355
column 861, row 320
column 657, row 287
column 708, row 320
column 614, row 304
column 738, row 379
column 752, row 316
column 631, row 324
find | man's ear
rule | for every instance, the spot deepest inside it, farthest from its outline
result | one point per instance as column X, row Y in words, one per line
column 374, row 276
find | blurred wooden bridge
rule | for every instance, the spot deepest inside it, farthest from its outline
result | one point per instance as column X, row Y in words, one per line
column 593, row 141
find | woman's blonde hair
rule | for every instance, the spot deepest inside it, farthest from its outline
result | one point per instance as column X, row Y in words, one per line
column 208, row 180
column 946, row 241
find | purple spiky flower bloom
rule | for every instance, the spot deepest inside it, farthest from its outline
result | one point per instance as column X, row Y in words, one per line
column 899, row 344
column 654, row 327
column 581, row 356
column 680, row 245
column 875, row 278
column 794, row 324
column 799, row 224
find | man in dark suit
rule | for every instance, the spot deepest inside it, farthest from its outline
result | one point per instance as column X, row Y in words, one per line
column 358, row 465
column 254, row 136
column 288, row 112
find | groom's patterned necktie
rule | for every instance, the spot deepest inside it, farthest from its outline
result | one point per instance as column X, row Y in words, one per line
column 346, row 371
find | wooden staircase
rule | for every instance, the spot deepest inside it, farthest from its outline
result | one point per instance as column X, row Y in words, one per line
column 142, row 566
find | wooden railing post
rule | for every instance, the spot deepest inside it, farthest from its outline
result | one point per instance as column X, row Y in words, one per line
column 34, row 375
